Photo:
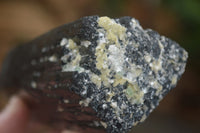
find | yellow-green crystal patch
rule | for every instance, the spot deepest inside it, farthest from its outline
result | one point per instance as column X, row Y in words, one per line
column 134, row 94
column 74, row 64
column 114, row 30
column 119, row 80
column 114, row 33
column 101, row 63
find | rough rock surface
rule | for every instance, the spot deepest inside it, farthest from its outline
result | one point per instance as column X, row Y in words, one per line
column 122, row 70
column 117, row 68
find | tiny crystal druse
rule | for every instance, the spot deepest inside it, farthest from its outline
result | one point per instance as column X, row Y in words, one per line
column 121, row 70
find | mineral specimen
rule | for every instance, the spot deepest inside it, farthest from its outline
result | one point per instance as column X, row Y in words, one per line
column 112, row 71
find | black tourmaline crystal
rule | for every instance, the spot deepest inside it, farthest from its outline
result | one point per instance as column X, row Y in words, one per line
column 97, row 72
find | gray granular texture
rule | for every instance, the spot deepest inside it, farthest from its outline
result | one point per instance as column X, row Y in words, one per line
column 121, row 70
column 110, row 70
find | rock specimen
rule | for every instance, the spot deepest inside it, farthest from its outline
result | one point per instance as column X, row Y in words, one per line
column 98, row 71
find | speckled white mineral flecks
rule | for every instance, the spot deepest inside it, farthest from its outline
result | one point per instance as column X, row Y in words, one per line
column 126, row 69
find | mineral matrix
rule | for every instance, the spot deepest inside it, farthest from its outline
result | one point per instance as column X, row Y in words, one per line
column 97, row 71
